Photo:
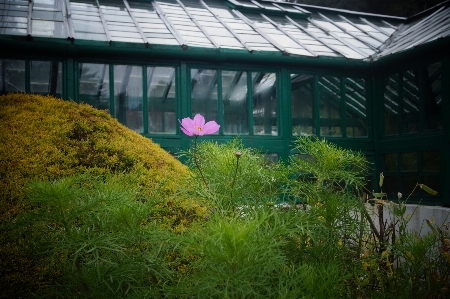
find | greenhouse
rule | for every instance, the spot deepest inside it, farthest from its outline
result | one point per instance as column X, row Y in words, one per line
column 266, row 71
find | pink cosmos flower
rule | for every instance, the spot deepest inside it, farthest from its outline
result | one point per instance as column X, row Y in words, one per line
column 197, row 126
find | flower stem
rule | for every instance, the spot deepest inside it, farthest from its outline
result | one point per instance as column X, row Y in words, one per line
column 238, row 155
column 196, row 161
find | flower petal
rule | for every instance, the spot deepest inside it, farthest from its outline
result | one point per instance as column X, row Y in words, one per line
column 199, row 120
column 210, row 127
column 186, row 132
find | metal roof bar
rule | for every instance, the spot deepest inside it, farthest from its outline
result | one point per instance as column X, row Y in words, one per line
column 67, row 13
column 105, row 26
column 417, row 33
column 389, row 24
column 257, row 4
column 347, row 32
column 359, row 27
column 316, row 37
column 339, row 39
column 279, row 7
column 199, row 26
column 169, row 25
column 300, row 9
column 375, row 26
column 290, row 35
column 421, row 22
column 30, row 12
column 261, row 32
column 138, row 27
column 227, row 26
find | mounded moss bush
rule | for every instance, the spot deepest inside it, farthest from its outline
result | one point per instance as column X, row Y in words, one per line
column 43, row 138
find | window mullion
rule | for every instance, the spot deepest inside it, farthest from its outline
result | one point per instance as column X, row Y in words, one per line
column 145, row 99
column 250, row 103
column 220, row 102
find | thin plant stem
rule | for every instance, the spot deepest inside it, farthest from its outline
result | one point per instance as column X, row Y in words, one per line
column 238, row 155
column 196, row 162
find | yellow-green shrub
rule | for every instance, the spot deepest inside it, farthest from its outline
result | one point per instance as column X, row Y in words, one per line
column 42, row 137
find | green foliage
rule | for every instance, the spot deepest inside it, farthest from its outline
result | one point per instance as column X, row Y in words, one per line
column 234, row 179
column 101, row 234
column 221, row 235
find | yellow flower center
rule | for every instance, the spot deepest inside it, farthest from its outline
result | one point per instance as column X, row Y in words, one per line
column 198, row 128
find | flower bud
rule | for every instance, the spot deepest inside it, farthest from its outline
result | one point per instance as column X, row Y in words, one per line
column 238, row 154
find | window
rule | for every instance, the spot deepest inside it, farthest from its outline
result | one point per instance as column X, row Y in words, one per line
column 404, row 170
column 302, row 105
column 162, row 116
column 328, row 106
column 223, row 96
column 413, row 101
column 46, row 77
column 136, row 89
column 128, row 99
column 12, row 76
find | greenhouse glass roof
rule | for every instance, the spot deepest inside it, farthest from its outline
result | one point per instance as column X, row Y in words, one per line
column 241, row 25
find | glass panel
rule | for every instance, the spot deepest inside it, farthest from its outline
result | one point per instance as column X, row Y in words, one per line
column 161, row 100
column 390, row 185
column 409, row 161
column 204, row 93
column 411, row 96
column 46, row 77
column 430, row 161
column 432, row 181
column 235, row 102
column 391, row 126
column 265, row 118
column 302, row 96
column 408, row 185
column 390, row 162
column 355, row 102
column 94, row 85
column 433, row 98
column 12, row 75
column 330, row 106
column 128, row 97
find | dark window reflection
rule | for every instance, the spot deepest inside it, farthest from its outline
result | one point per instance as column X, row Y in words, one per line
column 94, row 85
column 409, row 161
column 411, row 102
column 391, row 106
column 235, row 102
column 355, row 93
column 161, row 100
column 46, row 77
column 265, row 116
column 330, row 107
column 204, row 98
column 433, row 97
column 12, row 75
column 302, row 100
column 128, row 96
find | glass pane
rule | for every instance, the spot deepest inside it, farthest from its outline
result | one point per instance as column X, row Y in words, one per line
column 161, row 100
column 128, row 97
column 94, row 85
column 265, row 119
column 355, row 102
column 411, row 96
column 390, row 185
column 433, row 97
column 409, row 161
column 12, row 75
column 391, row 101
column 408, row 185
column 390, row 162
column 204, row 93
column 46, row 77
column 432, row 181
column 302, row 96
column 235, row 102
column 330, row 106
column 430, row 161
